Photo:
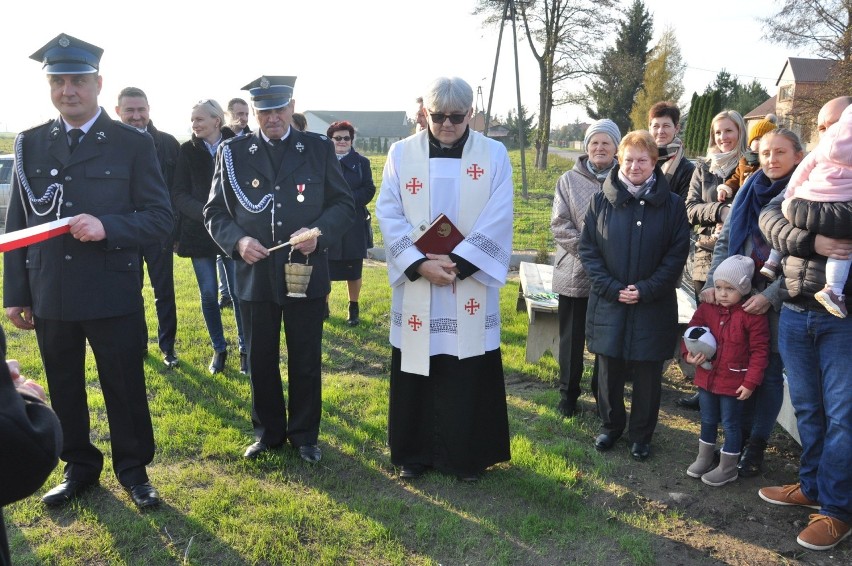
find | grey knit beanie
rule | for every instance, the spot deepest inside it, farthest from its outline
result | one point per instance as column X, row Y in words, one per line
column 738, row 271
column 605, row 126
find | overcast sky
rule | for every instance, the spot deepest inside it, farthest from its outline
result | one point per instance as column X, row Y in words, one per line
column 347, row 55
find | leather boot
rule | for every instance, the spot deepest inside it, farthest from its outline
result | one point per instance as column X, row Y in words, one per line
column 725, row 472
column 690, row 402
column 704, row 462
column 353, row 314
column 751, row 462
column 217, row 363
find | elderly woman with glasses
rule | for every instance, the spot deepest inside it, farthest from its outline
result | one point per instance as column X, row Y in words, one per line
column 193, row 178
column 447, row 396
column 634, row 245
column 346, row 255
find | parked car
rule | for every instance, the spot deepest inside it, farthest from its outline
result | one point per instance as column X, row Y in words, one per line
column 5, row 184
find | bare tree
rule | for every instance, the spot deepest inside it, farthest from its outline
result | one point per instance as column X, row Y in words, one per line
column 823, row 26
column 564, row 37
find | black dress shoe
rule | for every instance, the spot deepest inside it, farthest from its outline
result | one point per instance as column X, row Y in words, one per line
column 217, row 363
column 640, row 451
column 144, row 495
column 225, row 302
column 606, row 441
column 170, row 359
column 244, row 367
column 411, row 471
column 354, row 314
column 567, row 408
column 256, row 450
column 690, row 402
column 66, row 491
column 310, row 453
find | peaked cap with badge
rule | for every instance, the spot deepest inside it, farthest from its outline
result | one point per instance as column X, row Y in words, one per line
column 67, row 55
column 269, row 92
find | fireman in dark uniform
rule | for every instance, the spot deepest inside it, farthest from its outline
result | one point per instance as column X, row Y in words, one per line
column 268, row 186
column 85, row 286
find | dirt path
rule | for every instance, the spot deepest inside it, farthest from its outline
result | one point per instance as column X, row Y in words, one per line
column 729, row 525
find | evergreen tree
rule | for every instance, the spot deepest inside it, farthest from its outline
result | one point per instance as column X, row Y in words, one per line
column 620, row 72
column 513, row 125
column 663, row 78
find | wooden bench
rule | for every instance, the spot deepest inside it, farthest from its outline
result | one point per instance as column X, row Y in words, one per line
column 543, row 334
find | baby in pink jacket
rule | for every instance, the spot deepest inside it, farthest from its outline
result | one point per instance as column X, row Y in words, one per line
column 825, row 175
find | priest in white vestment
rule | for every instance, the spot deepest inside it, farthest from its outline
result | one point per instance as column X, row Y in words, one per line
column 447, row 399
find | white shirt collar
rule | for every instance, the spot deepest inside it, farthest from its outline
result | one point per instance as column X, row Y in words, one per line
column 85, row 127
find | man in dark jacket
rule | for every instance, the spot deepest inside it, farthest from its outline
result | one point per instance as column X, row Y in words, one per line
column 814, row 345
column 30, row 440
column 102, row 178
column 133, row 110
column 268, row 187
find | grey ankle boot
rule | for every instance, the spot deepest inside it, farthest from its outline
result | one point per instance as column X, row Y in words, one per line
column 725, row 472
column 704, row 462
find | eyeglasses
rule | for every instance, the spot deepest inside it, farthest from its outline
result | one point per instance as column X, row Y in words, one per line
column 341, row 138
column 454, row 118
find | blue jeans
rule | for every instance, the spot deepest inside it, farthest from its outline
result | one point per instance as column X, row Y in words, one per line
column 761, row 409
column 725, row 409
column 205, row 274
column 815, row 348
column 224, row 288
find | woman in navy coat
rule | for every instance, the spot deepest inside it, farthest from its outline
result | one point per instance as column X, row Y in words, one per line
column 634, row 245
column 346, row 256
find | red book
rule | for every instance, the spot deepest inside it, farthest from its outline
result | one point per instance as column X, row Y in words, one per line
column 439, row 237
column 34, row 234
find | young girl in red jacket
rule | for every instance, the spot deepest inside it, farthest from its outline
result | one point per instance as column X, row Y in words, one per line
column 742, row 354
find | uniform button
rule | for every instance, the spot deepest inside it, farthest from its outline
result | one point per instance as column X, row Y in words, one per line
column 68, row 257
column 277, row 188
column 69, row 204
column 27, row 261
column 38, row 170
column 54, row 172
column 68, row 178
column 107, row 172
column 279, row 242
column 278, row 223
column 278, row 205
column 129, row 264
column 638, row 222
column 642, row 202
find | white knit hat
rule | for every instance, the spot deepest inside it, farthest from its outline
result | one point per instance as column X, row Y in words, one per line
column 738, row 271
column 603, row 126
column 699, row 340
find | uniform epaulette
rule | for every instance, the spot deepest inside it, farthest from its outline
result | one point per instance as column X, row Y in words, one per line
column 315, row 135
column 127, row 127
column 240, row 137
column 38, row 126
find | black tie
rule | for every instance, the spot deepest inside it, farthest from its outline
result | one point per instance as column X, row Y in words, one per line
column 75, row 135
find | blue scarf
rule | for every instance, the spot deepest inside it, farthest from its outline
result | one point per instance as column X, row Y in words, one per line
column 757, row 192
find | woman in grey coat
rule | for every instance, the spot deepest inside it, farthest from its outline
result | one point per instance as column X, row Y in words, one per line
column 634, row 245
column 574, row 191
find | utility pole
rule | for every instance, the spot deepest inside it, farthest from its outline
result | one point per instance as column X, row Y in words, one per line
column 509, row 11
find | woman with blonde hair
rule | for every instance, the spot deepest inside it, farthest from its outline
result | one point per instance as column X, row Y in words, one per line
column 193, row 178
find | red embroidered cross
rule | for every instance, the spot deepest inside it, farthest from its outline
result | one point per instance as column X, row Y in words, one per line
column 475, row 171
column 415, row 323
column 471, row 307
column 413, row 185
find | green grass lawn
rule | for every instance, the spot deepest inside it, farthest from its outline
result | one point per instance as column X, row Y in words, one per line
column 350, row 509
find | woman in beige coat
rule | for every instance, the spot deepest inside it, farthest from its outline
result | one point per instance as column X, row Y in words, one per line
column 574, row 191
